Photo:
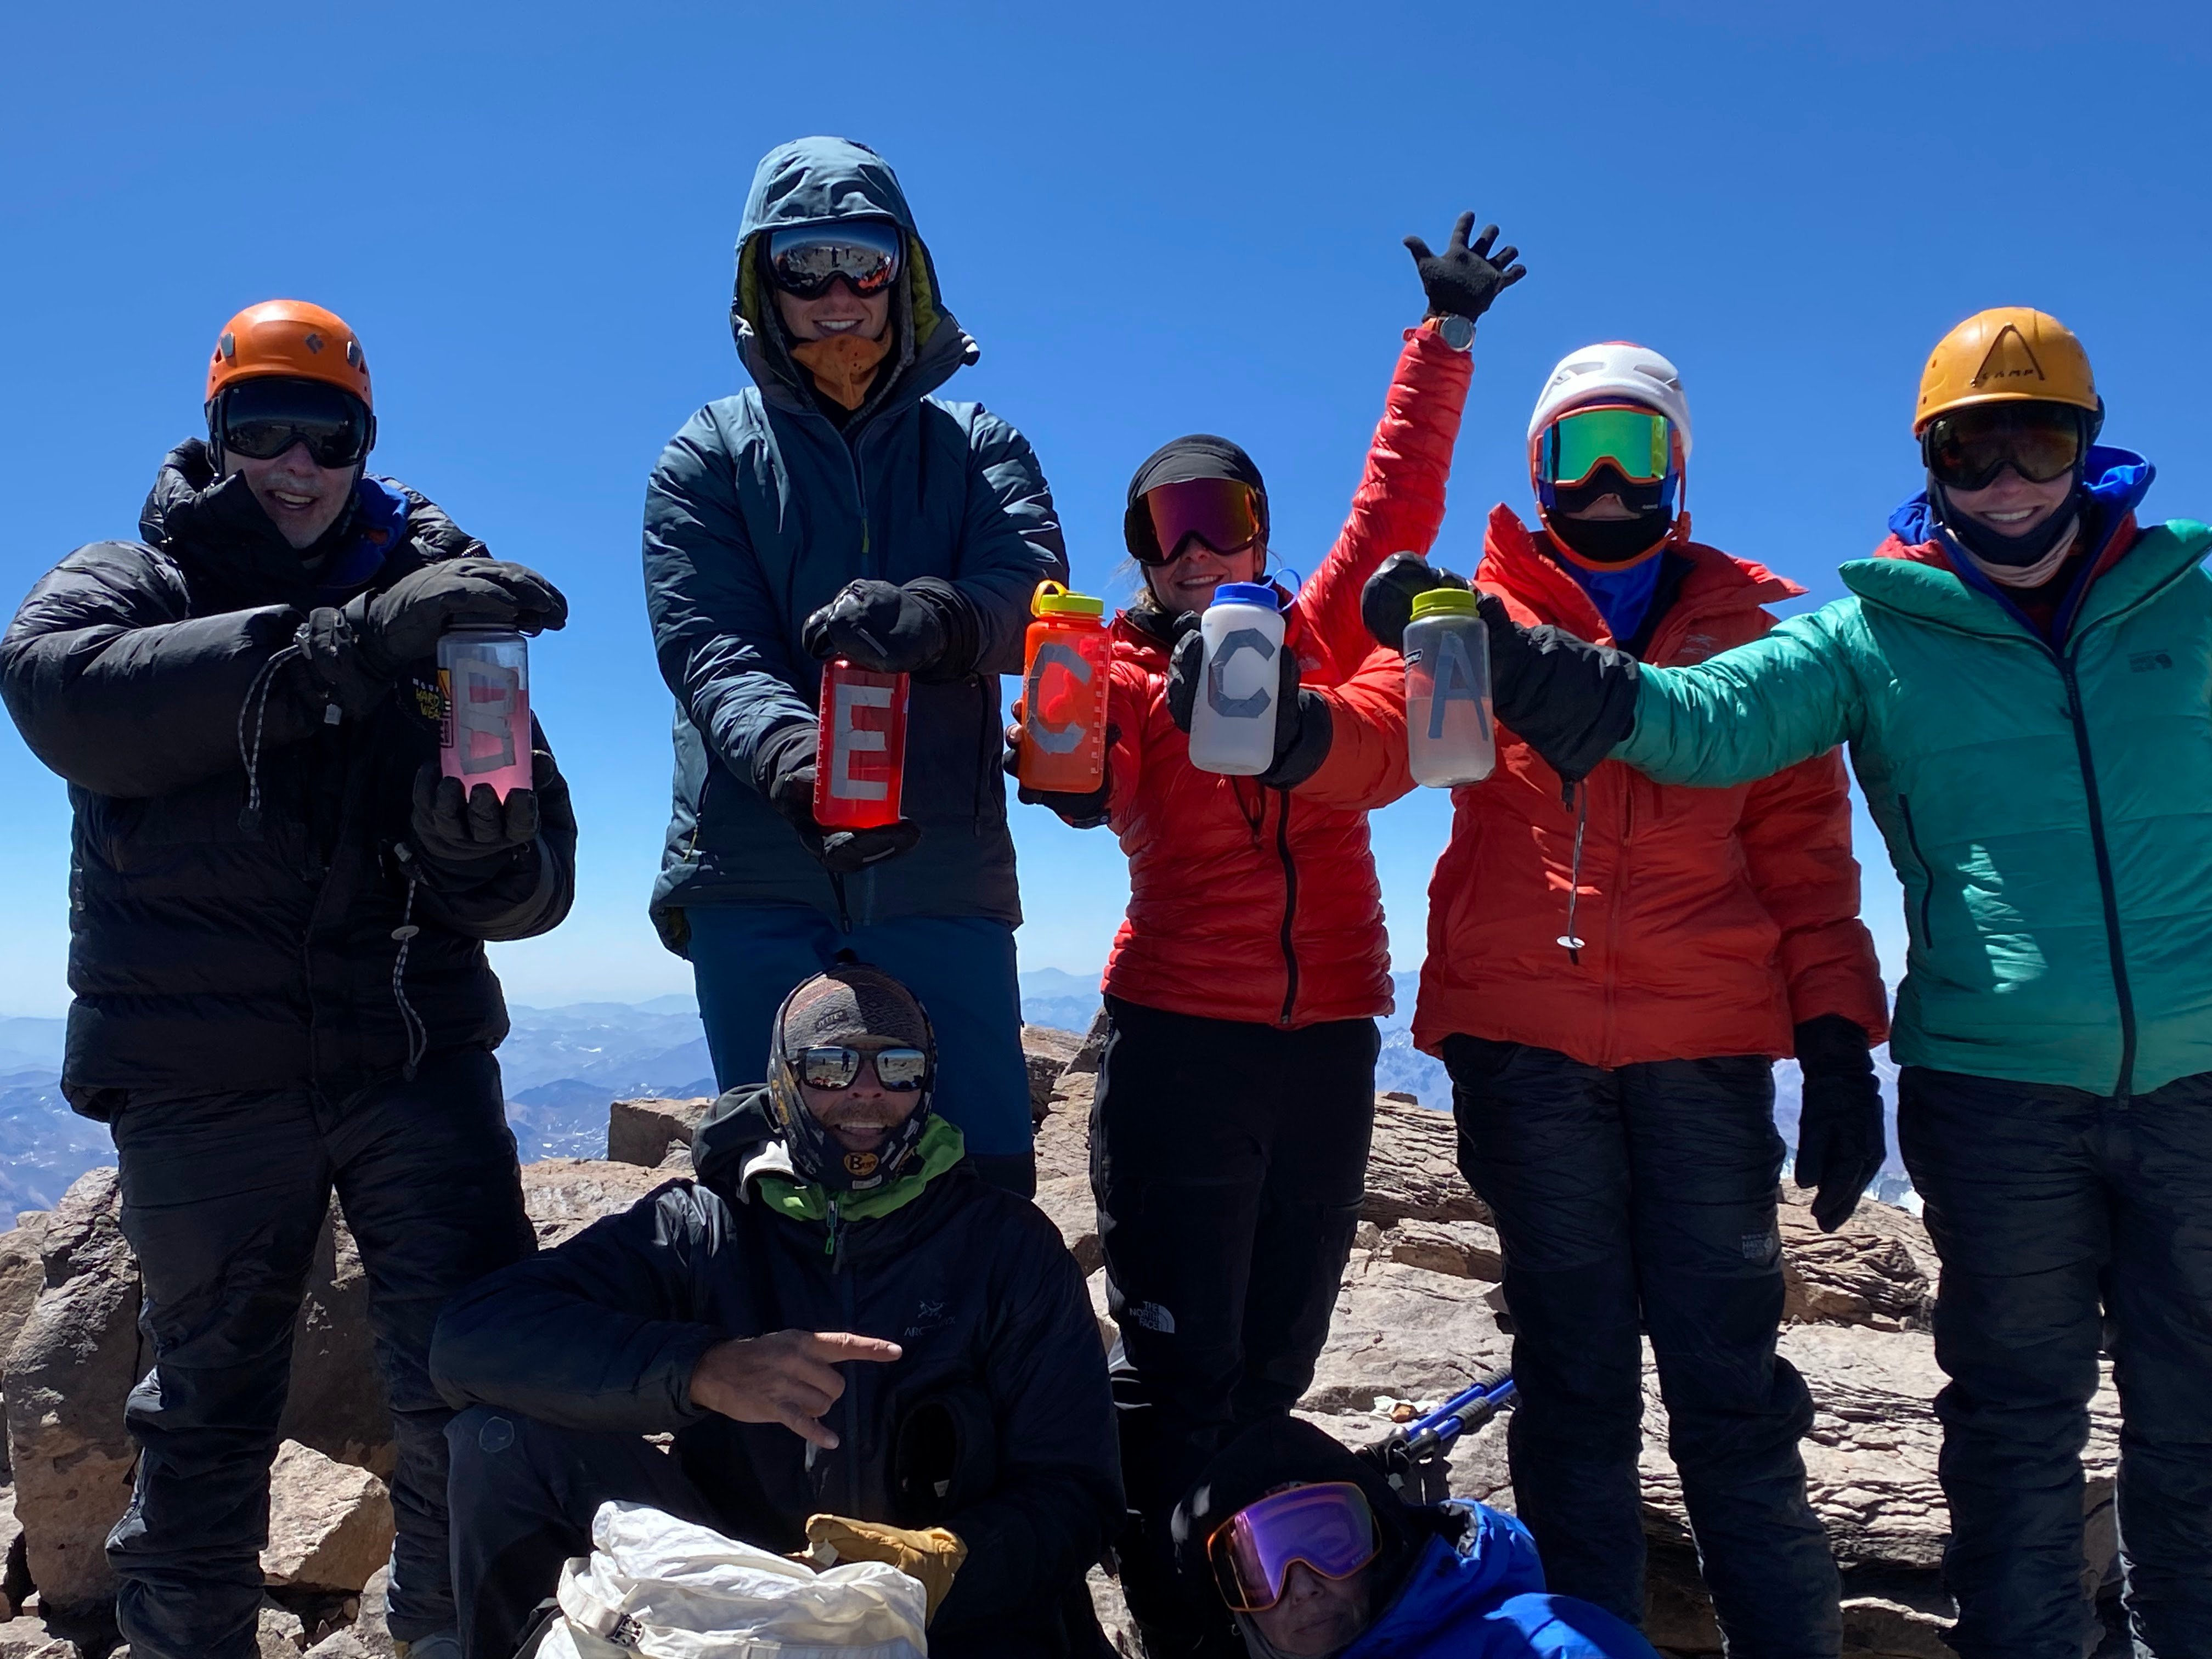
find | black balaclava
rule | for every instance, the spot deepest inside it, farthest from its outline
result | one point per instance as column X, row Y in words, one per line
column 1613, row 541
column 851, row 1000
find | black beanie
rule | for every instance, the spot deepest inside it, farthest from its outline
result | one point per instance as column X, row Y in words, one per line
column 1197, row 455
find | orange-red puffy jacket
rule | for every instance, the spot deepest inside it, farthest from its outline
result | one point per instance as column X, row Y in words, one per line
column 1262, row 905
column 1713, row 919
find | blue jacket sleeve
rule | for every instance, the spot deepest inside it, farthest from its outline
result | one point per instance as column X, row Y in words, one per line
column 716, row 628
column 1011, row 542
column 595, row 1334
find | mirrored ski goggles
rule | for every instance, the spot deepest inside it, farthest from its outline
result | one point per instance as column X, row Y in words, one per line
column 805, row 261
column 1638, row 443
column 1327, row 1528
column 1224, row 515
column 899, row 1070
column 1967, row 449
column 262, row 418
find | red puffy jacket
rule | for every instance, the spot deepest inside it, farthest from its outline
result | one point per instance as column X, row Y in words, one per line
column 1714, row 918
column 1262, row 905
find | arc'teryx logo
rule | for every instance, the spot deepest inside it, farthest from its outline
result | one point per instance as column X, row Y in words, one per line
column 2009, row 358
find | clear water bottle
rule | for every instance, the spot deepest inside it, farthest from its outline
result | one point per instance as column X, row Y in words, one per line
column 1449, row 740
column 1232, row 726
column 484, row 679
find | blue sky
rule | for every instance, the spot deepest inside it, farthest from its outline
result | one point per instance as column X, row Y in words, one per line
column 1154, row 219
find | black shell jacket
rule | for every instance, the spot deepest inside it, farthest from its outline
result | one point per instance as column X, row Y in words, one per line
column 208, row 952
column 602, row 1333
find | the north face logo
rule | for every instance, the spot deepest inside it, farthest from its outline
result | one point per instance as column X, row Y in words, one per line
column 2008, row 359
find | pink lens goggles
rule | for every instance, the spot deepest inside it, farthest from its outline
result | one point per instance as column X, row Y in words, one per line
column 1327, row 1528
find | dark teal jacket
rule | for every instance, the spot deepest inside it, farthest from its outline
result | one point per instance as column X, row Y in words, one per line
column 762, row 507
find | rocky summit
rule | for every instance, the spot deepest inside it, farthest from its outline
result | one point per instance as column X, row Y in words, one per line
column 1417, row 1318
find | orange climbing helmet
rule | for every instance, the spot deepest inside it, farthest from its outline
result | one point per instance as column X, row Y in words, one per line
column 289, row 338
column 2007, row 355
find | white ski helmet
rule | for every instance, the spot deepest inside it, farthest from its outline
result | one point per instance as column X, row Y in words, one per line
column 1616, row 371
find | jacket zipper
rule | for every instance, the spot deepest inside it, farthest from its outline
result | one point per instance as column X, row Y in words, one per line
column 1290, row 906
column 849, row 1441
column 2121, row 991
column 1926, row 872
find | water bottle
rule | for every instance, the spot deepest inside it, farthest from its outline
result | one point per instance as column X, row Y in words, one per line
column 860, row 758
column 483, row 686
column 1232, row 726
column 1448, row 736
column 1065, row 682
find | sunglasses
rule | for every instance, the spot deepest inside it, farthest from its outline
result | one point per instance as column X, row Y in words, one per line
column 1638, row 443
column 804, row 262
column 1327, row 1528
column 262, row 418
column 1220, row 514
column 834, row 1066
column 1967, row 449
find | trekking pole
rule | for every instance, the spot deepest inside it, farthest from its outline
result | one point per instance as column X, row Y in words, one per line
column 1414, row 1453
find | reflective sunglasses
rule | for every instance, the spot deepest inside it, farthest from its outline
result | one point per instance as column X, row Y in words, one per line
column 1224, row 515
column 1966, row 449
column 805, row 261
column 1328, row 1528
column 1638, row 442
column 262, row 418
column 836, row 1066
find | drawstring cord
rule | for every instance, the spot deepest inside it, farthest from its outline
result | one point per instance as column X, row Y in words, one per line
column 249, row 753
column 1576, row 795
column 417, row 1038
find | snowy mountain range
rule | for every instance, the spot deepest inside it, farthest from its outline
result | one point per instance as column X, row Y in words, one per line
column 561, row 1066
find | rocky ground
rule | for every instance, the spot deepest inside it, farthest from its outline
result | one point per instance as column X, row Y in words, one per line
column 1415, row 1321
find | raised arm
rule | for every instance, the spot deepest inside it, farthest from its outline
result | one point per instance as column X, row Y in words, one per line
column 1746, row 713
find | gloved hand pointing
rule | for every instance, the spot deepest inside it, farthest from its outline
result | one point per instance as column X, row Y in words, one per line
column 1841, row 1142
column 1304, row 729
column 931, row 1556
column 1462, row 281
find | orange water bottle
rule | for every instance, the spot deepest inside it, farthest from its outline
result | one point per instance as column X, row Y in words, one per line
column 860, row 758
column 1065, row 683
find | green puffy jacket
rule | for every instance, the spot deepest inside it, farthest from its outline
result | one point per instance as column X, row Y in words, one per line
column 2049, row 812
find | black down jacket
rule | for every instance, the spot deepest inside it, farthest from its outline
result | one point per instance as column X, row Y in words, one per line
column 208, row 952
column 1001, row 1393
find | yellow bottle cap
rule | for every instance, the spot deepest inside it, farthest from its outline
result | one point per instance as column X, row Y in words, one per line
column 1053, row 600
column 1443, row 602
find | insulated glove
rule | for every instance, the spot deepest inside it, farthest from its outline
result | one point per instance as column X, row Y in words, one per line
column 1840, row 1140
column 1462, row 281
column 785, row 774
column 463, row 834
column 1386, row 602
column 402, row 624
column 1571, row 702
column 928, row 624
column 1304, row 729
column 931, row 1556
column 335, row 666
column 1084, row 812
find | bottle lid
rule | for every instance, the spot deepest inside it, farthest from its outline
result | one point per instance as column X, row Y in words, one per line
column 1245, row 593
column 1053, row 600
column 1443, row 602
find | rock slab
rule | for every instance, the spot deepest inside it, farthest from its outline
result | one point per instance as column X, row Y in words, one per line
column 643, row 1132
column 330, row 1523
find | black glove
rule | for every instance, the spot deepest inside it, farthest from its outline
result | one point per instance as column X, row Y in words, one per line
column 784, row 772
column 1462, row 281
column 1840, row 1141
column 472, row 835
column 1571, row 702
column 1385, row 604
column 335, row 666
column 928, row 624
column 401, row 625
column 1303, row 726
column 1084, row 812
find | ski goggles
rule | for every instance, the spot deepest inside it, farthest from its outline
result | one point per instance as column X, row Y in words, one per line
column 263, row 417
column 804, row 262
column 1638, row 444
column 1224, row 515
column 1966, row 449
column 1327, row 1528
column 836, row 1066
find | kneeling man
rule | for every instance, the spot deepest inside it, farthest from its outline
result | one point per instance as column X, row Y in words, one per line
column 855, row 1340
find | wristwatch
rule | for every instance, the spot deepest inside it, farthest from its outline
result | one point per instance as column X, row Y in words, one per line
column 1455, row 330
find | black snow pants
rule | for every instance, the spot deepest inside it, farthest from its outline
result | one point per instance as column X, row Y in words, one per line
column 1649, row 1189
column 2066, row 1219
column 1228, row 1160
column 223, row 1198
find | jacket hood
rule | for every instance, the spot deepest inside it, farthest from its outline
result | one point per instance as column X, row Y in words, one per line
column 2116, row 479
column 814, row 181
column 1452, row 1584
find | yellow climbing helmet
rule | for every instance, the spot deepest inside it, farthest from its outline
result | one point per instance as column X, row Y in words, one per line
column 2008, row 355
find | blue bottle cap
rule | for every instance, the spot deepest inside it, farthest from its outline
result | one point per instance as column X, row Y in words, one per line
column 1245, row 593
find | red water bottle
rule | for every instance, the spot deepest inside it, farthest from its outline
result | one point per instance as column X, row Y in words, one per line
column 859, row 757
column 1064, row 684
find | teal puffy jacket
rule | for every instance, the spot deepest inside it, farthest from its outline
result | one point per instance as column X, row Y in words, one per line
column 2049, row 812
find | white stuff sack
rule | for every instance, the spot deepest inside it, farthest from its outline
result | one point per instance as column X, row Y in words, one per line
column 667, row 1590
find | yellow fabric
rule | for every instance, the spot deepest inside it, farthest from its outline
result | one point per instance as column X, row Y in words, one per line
column 930, row 1557
column 843, row 365
column 2007, row 355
